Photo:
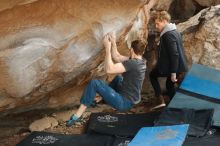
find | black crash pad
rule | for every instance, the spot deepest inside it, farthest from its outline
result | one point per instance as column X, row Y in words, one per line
column 125, row 125
column 52, row 139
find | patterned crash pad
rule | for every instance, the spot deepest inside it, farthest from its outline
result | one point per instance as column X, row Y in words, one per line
column 125, row 125
column 53, row 139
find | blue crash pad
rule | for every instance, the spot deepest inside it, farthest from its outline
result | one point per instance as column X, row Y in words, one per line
column 202, row 80
column 161, row 136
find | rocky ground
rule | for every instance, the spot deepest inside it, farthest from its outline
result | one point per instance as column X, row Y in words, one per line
column 16, row 127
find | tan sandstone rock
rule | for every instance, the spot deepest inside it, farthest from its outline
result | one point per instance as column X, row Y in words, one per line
column 201, row 35
column 208, row 3
column 42, row 124
column 49, row 49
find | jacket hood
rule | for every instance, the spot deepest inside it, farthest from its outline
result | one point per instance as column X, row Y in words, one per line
column 168, row 27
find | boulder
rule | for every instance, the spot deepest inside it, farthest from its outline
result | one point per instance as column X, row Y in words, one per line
column 42, row 124
column 49, row 49
column 201, row 35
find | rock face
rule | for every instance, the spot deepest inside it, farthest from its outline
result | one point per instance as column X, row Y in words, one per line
column 182, row 10
column 201, row 35
column 49, row 49
column 207, row 3
column 163, row 5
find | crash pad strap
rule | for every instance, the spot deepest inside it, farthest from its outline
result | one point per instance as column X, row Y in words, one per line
column 197, row 95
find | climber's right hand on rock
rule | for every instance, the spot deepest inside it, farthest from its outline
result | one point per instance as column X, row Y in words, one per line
column 112, row 37
column 107, row 42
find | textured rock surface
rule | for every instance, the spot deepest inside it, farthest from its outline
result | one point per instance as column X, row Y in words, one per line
column 49, row 49
column 163, row 5
column 201, row 35
column 42, row 124
column 207, row 3
column 184, row 9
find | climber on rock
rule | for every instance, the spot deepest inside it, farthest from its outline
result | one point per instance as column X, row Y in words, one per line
column 125, row 89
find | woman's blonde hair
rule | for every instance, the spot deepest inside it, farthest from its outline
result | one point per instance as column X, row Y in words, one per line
column 161, row 15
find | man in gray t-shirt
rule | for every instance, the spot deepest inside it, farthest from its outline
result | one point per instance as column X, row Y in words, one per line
column 133, row 79
column 125, row 90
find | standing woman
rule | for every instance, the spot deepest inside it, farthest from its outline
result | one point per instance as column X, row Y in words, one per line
column 171, row 57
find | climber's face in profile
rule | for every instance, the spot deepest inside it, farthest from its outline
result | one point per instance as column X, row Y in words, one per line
column 160, row 24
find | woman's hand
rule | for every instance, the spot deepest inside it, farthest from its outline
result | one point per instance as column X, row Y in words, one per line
column 173, row 77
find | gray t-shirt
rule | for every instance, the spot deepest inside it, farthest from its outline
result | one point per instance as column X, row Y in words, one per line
column 133, row 79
